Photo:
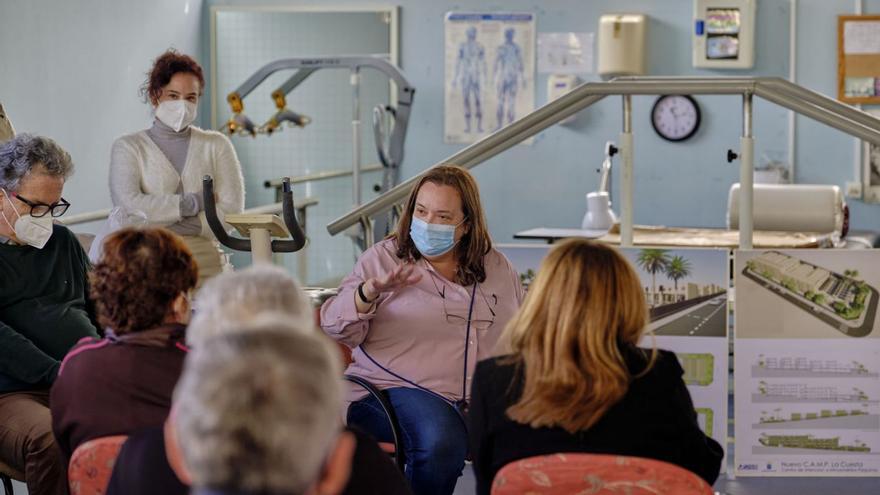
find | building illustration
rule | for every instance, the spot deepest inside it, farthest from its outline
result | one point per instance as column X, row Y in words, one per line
column 842, row 301
column 797, row 392
column 699, row 369
column 802, row 367
column 837, row 418
column 705, row 418
column 811, row 442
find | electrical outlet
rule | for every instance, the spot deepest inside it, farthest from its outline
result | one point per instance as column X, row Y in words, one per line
column 853, row 189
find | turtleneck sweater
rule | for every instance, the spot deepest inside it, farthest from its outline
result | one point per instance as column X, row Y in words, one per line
column 175, row 146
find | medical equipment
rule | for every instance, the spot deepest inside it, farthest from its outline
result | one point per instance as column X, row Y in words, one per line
column 260, row 228
column 283, row 115
column 793, row 208
column 599, row 216
column 622, row 45
column 775, row 90
column 558, row 85
column 389, row 122
column 724, row 34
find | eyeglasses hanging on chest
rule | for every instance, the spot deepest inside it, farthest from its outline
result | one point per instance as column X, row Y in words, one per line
column 460, row 317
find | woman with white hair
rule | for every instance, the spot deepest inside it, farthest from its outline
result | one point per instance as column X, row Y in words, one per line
column 232, row 416
column 227, row 304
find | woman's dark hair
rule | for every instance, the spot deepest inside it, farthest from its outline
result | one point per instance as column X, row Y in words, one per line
column 473, row 245
column 169, row 63
column 139, row 275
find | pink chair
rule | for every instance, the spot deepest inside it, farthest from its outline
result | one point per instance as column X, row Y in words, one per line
column 596, row 474
column 92, row 464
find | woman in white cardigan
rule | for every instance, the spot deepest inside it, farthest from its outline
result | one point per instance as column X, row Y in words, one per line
column 159, row 171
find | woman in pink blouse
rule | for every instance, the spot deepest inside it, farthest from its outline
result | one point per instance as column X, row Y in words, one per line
column 419, row 310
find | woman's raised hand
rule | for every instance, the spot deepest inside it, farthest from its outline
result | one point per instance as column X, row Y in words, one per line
column 403, row 275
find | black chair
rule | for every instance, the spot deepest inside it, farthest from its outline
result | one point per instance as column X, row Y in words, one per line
column 397, row 438
column 7, row 484
column 7, row 474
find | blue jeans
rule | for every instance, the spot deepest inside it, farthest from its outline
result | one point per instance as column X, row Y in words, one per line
column 435, row 439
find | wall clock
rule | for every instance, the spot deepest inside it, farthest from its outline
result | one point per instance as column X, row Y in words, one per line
column 675, row 117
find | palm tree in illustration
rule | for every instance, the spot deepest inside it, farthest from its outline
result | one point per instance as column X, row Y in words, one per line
column 678, row 269
column 653, row 261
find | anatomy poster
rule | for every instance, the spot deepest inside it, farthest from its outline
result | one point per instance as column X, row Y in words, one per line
column 490, row 72
column 807, row 366
column 686, row 294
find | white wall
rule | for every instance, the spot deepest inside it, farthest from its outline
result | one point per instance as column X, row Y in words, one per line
column 71, row 70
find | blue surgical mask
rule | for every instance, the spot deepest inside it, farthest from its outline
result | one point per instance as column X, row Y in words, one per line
column 432, row 239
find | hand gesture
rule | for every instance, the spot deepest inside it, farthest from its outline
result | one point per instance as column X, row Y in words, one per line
column 402, row 276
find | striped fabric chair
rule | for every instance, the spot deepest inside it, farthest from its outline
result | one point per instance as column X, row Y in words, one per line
column 565, row 474
column 92, row 464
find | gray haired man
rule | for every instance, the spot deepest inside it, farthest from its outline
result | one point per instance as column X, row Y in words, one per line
column 258, row 412
column 43, row 310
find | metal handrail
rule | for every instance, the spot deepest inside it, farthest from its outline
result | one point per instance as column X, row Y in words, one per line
column 97, row 215
column 330, row 174
column 276, row 207
column 89, row 216
column 775, row 90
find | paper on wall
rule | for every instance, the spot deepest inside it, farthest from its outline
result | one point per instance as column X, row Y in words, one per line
column 490, row 72
column 565, row 53
column 807, row 348
column 861, row 38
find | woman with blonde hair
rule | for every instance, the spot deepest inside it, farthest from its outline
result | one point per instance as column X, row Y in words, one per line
column 575, row 379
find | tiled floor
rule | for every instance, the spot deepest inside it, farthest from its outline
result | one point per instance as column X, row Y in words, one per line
column 466, row 484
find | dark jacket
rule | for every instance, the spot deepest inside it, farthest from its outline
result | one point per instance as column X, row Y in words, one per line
column 655, row 419
column 142, row 469
column 116, row 385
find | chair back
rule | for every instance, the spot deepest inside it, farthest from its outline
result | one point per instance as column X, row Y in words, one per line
column 596, row 474
column 9, row 473
column 92, row 464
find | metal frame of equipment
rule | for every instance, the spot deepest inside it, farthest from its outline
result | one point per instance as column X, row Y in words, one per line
column 260, row 228
column 776, row 90
column 389, row 121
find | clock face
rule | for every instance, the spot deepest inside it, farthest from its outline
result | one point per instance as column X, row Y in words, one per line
column 675, row 117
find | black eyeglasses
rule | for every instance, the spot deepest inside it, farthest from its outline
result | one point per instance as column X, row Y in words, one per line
column 41, row 209
column 455, row 319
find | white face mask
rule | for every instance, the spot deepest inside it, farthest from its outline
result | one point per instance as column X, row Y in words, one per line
column 176, row 114
column 30, row 230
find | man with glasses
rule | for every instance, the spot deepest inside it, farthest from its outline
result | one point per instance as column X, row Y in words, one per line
column 43, row 305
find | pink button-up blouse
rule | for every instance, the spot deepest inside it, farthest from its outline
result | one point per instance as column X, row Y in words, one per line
column 409, row 333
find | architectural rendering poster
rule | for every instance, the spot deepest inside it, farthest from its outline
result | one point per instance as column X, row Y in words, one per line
column 490, row 72
column 686, row 293
column 807, row 366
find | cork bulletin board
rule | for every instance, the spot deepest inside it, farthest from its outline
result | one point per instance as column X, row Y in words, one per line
column 858, row 59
